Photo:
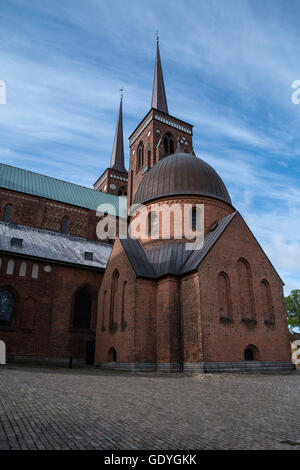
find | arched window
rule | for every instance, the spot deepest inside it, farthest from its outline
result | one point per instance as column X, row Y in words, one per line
column 152, row 223
column 6, row 308
column 28, row 314
column 10, row 267
column 113, row 296
column 7, row 212
column 35, row 271
column 266, row 302
column 123, row 304
column 22, row 270
column 245, row 290
column 168, row 144
column 251, row 353
column 65, row 225
column 83, row 309
column 140, row 156
column 224, row 296
column 112, row 355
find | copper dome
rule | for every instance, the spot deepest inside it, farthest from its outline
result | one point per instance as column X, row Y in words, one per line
column 181, row 174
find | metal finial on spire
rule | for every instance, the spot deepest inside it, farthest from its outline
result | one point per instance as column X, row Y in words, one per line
column 157, row 36
column 121, row 92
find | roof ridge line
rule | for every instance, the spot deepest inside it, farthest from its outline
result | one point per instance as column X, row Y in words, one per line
column 27, row 228
column 229, row 218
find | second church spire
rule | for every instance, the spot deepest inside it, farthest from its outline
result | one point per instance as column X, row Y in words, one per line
column 117, row 158
column 159, row 99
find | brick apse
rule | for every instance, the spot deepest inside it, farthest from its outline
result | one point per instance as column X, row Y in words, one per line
column 140, row 302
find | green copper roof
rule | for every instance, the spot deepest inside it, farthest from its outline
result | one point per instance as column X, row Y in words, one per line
column 28, row 182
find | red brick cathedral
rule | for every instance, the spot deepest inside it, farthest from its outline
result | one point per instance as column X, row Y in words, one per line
column 136, row 303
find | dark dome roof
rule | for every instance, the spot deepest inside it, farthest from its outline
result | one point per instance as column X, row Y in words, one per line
column 181, row 173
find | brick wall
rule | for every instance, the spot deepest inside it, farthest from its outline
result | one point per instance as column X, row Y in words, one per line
column 173, row 318
column 152, row 316
column 226, row 341
column 45, row 214
column 214, row 210
column 168, row 320
column 121, row 337
column 51, row 332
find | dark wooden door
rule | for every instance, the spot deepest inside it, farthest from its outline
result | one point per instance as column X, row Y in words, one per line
column 90, row 352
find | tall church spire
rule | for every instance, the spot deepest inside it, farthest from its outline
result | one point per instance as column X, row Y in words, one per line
column 159, row 99
column 117, row 157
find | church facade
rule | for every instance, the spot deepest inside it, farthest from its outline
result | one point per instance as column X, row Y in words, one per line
column 142, row 302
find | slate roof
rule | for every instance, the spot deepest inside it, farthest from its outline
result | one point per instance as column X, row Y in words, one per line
column 138, row 258
column 53, row 246
column 17, row 179
column 170, row 258
column 167, row 258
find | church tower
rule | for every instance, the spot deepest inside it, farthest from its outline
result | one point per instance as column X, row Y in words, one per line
column 157, row 134
column 115, row 178
column 163, row 305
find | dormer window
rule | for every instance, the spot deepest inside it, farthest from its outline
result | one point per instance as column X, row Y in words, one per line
column 16, row 242
column 88, row 256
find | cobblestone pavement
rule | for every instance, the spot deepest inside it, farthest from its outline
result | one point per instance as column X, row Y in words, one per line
column 43, row 408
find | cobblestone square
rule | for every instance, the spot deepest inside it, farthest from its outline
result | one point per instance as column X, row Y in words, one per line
column 45, row 408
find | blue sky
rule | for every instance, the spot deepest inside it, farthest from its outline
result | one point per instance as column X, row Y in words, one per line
column 228, row 68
